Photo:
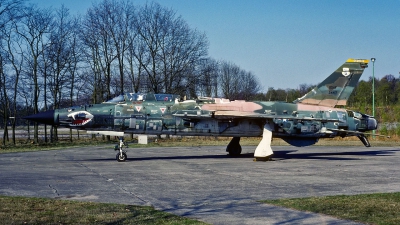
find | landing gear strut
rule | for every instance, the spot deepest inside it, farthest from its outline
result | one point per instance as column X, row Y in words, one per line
column 263, row 151
column 364, row 140
column 234, row 149
column 121, row 155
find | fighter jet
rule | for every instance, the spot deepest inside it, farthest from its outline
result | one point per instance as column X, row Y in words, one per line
column 301, row 123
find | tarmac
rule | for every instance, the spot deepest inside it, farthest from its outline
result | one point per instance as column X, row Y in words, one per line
column 204, row 183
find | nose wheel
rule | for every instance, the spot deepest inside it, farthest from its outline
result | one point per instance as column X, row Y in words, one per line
column 121, row 156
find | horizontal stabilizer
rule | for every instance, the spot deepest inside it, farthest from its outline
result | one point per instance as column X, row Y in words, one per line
column 353, row 132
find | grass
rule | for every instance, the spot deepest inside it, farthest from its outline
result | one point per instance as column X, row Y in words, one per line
column 23, row 210
column 23, row 146
column 381, row 209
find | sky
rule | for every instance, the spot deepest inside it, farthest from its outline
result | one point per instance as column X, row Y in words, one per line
column 286, row 43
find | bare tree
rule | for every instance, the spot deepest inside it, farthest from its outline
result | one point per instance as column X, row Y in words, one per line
column 172, row 49
column 305, row 88
column 207, row 77
column 229, row 80
column 100, row 50
column 34, row 29
column 92, row 58
column 183, row 50
column 236, row 83
column 250, row 85
column 10, row 13
column 108, row 34
column 10, row 10
column 4, row 100
column 13, row 49
column 150, row 26
column 121, row 17
column 60, row 60
column 135, row 55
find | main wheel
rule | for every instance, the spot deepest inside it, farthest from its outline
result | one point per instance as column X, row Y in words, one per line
column 121, row 157
column 234, row 149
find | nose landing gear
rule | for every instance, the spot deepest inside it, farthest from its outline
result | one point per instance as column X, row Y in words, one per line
column 121, row 155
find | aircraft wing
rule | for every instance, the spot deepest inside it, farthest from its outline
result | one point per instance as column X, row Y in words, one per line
column 106, row 132
column 224, row 114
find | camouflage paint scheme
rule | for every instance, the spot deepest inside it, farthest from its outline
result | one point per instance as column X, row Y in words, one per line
column 300, row 123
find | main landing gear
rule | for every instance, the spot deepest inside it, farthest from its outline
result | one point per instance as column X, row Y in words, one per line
column 263, row 151
column 121, row 155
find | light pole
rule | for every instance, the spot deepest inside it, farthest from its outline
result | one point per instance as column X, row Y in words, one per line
column 373, row 91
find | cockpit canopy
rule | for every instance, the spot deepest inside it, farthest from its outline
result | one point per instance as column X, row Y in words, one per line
column 117, row 99
column 136, row 97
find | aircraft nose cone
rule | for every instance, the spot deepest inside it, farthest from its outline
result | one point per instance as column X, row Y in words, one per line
column 46, row 117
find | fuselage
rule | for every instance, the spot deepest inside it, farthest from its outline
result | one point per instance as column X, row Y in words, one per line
column 164, row 114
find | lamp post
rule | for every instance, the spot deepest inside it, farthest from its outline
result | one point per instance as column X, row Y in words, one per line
column 373, row 92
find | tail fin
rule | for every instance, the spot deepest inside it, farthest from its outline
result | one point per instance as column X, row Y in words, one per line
column 337, row 88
